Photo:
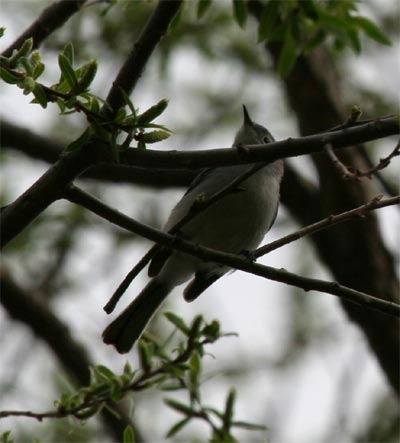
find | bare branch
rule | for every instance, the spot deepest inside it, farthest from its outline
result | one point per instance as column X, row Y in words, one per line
column 349, row 172
column 383, row 163
column 232, row 260
column 52, row 18
column 327, row 222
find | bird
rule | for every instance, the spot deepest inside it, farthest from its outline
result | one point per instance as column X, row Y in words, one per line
column 235, row 223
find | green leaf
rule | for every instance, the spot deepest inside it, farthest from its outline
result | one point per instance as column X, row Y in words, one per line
column 94, row 105
column 9, row 77
column 152, row 112
column 67, row 71
column 40, row 95
column 240, row 12
column 2, row 31
column 145, row 356
column 268, row 20
column 180, row 407
column 228, row 415
column 195, row 327
column 155, row 136
column 288, row 55
column 105, row 372
column 28, row 85
column 129, row 435
column 354, row 40
column 249, row 426
column 121, row 114
column 38, row 70
column 23, row 51
column 68, row 52
column 202, row 7
column 372, row 30
column 6, row 437
column 177, row 427
column 128, row 102
column 195, row 367
column 86, row 75
column 177, row 321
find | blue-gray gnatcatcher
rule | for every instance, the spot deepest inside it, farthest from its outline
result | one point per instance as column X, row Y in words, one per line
column 237, row 222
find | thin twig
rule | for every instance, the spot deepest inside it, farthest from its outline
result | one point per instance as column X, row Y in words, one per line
column 233, row 260
column 349, row 172
column 327, row 222
column 343, row 170
column 383, row 163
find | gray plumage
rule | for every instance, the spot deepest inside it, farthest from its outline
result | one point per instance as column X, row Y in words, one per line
column 235, row 223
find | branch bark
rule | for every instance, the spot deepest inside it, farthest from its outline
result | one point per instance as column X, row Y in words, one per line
column 291, row 147
column 84, row 199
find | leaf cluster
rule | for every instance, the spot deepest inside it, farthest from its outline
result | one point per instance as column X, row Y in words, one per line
column 161, row 368
column 72, row 94
column 303, row 25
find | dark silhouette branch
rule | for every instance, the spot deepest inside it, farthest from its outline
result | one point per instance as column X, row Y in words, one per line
column 52, row 18
column 232, row 260
column 291, row 147
column 142, row 50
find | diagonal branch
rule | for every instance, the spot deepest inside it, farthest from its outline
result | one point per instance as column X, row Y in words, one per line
column 52, row 18
column 332, row 220
column 132, row 69
column 231, row 260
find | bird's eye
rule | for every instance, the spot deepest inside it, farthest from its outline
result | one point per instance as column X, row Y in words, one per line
column 266, row 139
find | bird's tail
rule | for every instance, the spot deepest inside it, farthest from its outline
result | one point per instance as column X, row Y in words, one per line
column 123, row 332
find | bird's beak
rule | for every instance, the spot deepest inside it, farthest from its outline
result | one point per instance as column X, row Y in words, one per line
column 246, row 117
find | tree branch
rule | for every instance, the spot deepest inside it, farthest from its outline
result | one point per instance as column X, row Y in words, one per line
column 48, row 188
column 291, row 147
column 349, row 172
column 36, row 146
column 332, row 220
column 30, row 310
column 52, row 18
column 231, row 260
column 132, row 69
